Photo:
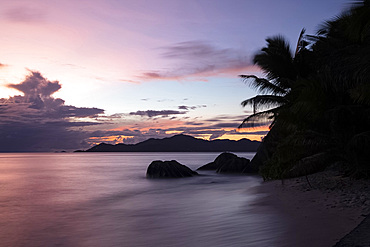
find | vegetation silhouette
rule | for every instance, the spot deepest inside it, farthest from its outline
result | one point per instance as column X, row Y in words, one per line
column 317, row 101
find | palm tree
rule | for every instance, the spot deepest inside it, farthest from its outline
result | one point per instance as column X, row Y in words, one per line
column 276, row 61
column 278, row 91
column 318, row 99
column 342, row 47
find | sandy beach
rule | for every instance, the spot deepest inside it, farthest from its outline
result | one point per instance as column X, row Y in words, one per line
column 320, row 209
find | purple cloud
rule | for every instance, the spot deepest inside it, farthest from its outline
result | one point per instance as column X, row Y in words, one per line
column 184, row 107
column 199, row 59
column 37, row 121
column 36, row 88
column 152, row 113
column 38, row 92
column 226, row 125
column 25, row 14
column 194, row 50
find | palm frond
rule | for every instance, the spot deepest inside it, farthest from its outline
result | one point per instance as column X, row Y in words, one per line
column 264, row 101
column 259, row 119
column 263, row 85
column 361, row 94
column 276, row 60
column 300, row 43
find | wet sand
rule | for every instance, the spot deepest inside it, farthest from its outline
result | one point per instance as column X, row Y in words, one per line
column 319, row 212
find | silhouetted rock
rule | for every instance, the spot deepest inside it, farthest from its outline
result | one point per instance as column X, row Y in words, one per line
column 309, row 165
column 168, row 169
column 228, row 163
column 180, row 143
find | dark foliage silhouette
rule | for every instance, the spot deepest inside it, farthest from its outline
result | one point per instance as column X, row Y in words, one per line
column 317, row 100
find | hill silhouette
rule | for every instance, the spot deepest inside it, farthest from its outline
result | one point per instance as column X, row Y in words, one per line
column 180, row 143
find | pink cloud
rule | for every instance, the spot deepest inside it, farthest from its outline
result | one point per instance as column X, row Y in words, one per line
column 199, row 60
column 25, row 14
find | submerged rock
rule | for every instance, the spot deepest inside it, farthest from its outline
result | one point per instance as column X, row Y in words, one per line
column 168, row 169
column 228, row 163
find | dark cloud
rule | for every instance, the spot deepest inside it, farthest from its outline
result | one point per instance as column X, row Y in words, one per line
column 37, row 121
column 115, row 116
column 153, row 75
column 152, row 113
column 192, row 50
column 38, row 92
column 35, row 85
column 194, row 123
column 184, row 107
column 228, row 118
column 226, row 125
column 199, row 59
column 25, row 14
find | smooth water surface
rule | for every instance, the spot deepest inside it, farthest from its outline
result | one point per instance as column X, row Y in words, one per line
column 104, row 199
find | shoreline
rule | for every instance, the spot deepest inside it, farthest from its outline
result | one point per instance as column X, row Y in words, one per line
column 318, row 213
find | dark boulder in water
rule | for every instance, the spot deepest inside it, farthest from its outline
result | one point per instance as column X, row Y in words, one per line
column 228, row 163
column 168, row 169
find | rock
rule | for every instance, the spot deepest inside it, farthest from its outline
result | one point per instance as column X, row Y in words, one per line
column 168, row 169
column 228, row 163
column 310, row 165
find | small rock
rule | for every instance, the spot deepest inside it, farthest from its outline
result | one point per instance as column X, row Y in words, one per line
column 228, row 163
column 168, row 169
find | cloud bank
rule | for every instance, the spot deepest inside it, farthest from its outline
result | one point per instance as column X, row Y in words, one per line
column 36, row 121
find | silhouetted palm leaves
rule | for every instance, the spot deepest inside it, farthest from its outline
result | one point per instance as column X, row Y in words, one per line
column 318, row 99
column 277, row 63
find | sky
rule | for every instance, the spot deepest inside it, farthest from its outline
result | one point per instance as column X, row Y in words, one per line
column 76, row 73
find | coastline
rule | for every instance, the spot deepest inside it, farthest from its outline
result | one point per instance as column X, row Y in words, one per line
column 318, row 213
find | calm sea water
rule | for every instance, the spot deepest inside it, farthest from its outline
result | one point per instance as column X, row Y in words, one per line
column 104, row 199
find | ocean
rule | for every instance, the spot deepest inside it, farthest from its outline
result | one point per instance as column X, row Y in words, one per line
column 105, row 199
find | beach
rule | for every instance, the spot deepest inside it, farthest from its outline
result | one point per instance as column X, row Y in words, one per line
column 320, row 209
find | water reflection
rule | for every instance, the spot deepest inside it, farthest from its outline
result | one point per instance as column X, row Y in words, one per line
column 105, row 200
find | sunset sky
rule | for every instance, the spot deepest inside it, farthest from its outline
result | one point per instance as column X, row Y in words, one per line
column 75, row 73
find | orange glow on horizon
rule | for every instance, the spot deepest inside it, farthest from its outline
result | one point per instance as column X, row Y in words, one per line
column 254, row 129
column 174, row 132
column 116, row 139
column 239, row 137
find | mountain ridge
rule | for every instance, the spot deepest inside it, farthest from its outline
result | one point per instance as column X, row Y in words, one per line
column 180, row 143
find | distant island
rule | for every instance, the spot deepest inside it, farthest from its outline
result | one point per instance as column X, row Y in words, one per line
column 180, row 143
